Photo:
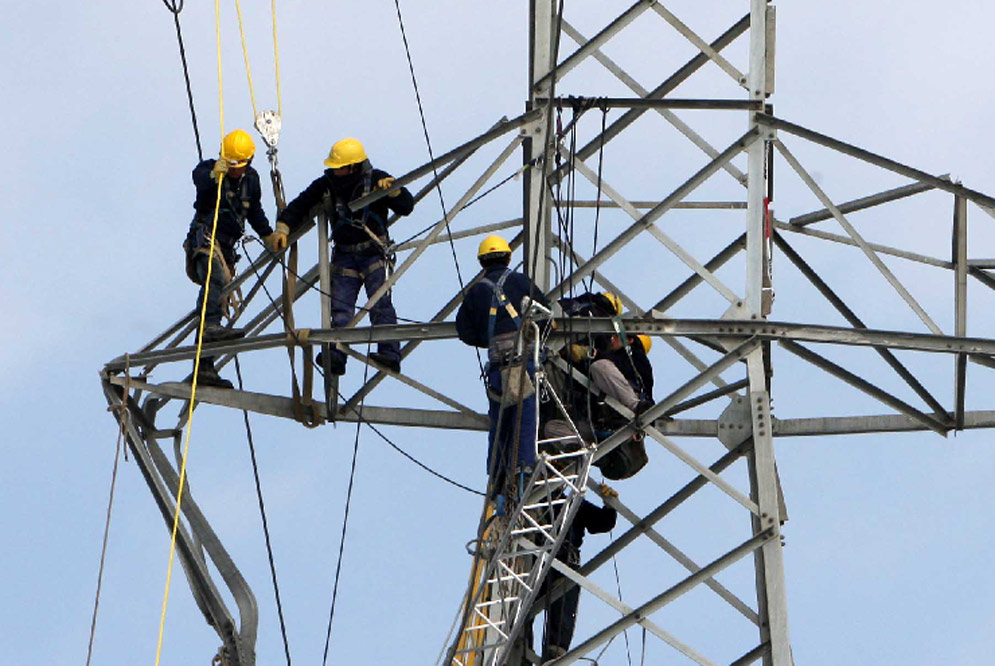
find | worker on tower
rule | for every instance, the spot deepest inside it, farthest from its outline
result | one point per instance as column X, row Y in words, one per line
column 623, row 372
column 362, row 248
column 240, row 203
column 489, row 318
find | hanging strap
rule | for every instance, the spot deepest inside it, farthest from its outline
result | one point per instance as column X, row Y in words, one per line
column 306, row 410
column 624, row 338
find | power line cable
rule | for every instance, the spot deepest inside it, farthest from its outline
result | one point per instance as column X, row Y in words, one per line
column 345, row 517
column 262, row 513
column 107, row 525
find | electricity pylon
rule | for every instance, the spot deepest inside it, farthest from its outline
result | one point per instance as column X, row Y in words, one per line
column 726, row 350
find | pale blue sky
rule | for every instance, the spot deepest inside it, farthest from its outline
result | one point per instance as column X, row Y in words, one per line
column 887, row 546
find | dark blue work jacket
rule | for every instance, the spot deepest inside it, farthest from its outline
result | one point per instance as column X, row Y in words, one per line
column 334, row 193
column 473, row 318
column 240, row 203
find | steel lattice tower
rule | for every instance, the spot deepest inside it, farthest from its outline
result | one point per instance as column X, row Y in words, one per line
column 727, row 351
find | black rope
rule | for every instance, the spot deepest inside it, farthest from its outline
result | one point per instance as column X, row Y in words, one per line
column 597, row 207
column 175, row 7
column 345, row 517
column 262, row 513
column 107, row 528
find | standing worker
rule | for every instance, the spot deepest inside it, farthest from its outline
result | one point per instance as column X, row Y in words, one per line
column 361, row 250
column 488, row 318
column 240, row 202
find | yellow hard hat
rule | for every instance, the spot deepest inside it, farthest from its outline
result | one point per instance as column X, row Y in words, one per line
column 615, row 301
column 493, row 245
column 344, row 153
column 237, row 148
column 646, row 341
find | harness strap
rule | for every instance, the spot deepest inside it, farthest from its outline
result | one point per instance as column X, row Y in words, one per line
column 353, row 273
column 499, row 300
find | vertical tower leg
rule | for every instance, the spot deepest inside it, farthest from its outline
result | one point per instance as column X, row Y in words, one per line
column 538, row 204
column 771, row 600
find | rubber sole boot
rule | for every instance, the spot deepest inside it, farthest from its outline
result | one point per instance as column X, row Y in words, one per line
column 334, row 367
column 208, row 376
column 218, row 333
column 386, row 361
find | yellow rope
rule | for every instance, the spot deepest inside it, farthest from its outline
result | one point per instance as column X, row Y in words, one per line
column 196, row 368
column 276, row 60
column 245, row 56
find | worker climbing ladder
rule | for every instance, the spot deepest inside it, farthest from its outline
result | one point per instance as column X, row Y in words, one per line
column 518, row 550
column 517, row 546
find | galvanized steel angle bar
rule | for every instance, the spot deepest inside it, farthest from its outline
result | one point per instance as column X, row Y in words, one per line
column 415, row 384
column 877, row 247
column 855, row 235
column 816, row 280
column 865, row 386
column 164, row 495
column 702, row 470
column 700, row 44
column 439, row 227
column 983, row 201
column 502, row 128
column 863, row 203
column 667, row 114
column 646, row 220
column 585, row 50
column 671, row 83
column 664, row 598
column 959, row 252
column 769, row 558
column 679, row 556
column 625, row 609
column 675, row 248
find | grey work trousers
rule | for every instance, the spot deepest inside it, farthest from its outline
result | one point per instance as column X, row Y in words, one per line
column 607, row 377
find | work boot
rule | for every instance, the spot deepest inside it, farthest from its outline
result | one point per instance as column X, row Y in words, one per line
column 386, row 360
column 642, row 406
column 218, row 333
column 335, row 366
column 208, row 375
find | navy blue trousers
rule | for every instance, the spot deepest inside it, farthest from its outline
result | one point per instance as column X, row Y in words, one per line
column 351, row 271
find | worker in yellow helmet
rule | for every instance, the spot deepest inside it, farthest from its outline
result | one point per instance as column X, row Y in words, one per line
column 362, row 247
column 490, row 317
column 240, row 203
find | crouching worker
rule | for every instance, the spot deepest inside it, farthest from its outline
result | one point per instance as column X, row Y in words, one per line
column 239, row 203
column 489, row 318
column 361, row 251
column 624, row 373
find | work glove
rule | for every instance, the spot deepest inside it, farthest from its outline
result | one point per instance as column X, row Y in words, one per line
column 578, row 353
column 385, row 183
column 277, row 240
column 220, row 169
column 607, row 491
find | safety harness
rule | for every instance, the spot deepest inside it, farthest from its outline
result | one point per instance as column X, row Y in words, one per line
column 343, row 216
